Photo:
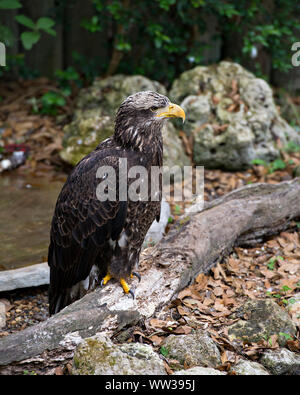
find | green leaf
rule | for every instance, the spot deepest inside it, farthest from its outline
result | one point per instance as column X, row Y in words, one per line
column 271, row 264
column 50, row 31
column 45, row 23
column 278, row 164
column 259, row 162
column 164, row 351
column 10, row 4
column 286, row 288
column 24, row 20
column 177, row 210
column 29, row 39
column 287, row 336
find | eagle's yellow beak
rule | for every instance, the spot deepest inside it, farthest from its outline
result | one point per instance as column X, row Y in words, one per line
column 171, row 111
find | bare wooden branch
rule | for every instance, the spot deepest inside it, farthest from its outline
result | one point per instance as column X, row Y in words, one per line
column 193, row 245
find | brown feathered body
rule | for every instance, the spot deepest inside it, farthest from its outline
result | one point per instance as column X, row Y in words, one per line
column 89, row 237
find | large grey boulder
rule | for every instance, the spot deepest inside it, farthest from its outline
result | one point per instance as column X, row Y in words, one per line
column 260, row 319
column 195, row 349
column 97, row 355
column 281, row 361
column 231, row 115
column 94, row 116
column 249, row 368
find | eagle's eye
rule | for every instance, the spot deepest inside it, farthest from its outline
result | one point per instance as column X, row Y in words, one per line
column 154, row 108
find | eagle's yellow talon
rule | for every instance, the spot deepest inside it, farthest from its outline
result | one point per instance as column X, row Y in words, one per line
column 125, row 286
column 105, row 279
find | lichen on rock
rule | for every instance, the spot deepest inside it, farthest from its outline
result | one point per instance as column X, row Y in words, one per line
column 97, row 355
column 281, row 361
column 259, row 320
column 196, row 349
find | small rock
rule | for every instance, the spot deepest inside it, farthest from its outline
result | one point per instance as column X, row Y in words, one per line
column 199, row 371
column 29, row 276
column 195, row 349
column 249, row 368
column 281, row 361
column 2, row 315
column 97, row 355
column 261, row 319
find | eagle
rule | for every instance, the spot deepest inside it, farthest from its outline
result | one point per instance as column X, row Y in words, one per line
column 93, row 239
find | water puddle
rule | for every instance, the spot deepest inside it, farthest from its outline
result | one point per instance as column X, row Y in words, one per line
column 26, row 209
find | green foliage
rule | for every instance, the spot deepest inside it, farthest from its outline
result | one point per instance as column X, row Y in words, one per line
column 162, row 38
column 277, row 164
column 66, row 78
column 177, row 210
column 32, row 36
column 259, row 162
column 164, row 351
column 29, row 38
column 9, row 4
column 48, row 104
column 17, row 63
column 166, row 37
column 51, row 101
column 292, row 147
column 287, row 336
column 271, row 263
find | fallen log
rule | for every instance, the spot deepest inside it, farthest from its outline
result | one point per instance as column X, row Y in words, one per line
column 193, row 245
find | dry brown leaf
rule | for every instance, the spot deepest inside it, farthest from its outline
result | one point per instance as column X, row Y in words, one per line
column 202, row 280
column 218, row 291
column 154, row 322
column 157, row 340
column 182, row 330
column 168, row 369
column 184, row 293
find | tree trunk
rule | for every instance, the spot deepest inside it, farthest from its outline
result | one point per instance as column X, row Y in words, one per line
column 193, row 245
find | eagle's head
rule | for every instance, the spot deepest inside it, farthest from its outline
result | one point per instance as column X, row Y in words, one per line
column 141, row 116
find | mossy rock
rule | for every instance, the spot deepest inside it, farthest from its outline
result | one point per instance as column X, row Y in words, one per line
column 97, row 355
column 84, row 134
column 195, row 349
column 260, row 319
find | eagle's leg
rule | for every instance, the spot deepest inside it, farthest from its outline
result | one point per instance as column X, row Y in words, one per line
column 105, row 279
column 126, row 287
